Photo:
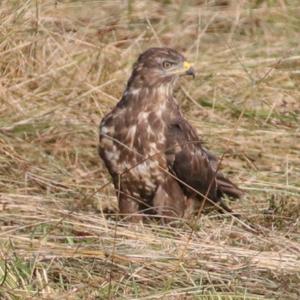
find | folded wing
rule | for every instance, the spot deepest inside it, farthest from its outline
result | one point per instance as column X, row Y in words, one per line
column 194, row 166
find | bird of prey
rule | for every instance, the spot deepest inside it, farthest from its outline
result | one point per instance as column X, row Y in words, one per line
column 155, row 157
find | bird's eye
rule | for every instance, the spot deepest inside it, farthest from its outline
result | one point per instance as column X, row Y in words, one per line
column 167, row 64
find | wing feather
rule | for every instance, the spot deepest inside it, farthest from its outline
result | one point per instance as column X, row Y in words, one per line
column 194, row 165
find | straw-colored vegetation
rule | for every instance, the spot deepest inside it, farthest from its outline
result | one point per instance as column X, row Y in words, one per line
column 63, row 65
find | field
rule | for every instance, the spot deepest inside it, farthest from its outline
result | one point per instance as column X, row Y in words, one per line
column 63, row 65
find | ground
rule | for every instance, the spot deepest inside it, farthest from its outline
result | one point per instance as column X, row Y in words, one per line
column 63, row 65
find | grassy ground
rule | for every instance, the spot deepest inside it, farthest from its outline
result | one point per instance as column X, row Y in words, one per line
column 63, row 65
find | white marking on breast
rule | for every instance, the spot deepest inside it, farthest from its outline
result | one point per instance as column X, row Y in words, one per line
column 107, row 130
column 161, row 109
column 153, row 148
column 113, row 154
column 104, row 130
column 143, row 116
column 131, row 134
column 133, row 92
column 142, row 169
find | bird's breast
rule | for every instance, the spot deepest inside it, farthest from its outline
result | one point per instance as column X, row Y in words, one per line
column 126, row 140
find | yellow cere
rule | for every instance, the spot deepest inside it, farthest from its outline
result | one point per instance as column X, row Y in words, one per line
column 186, row 65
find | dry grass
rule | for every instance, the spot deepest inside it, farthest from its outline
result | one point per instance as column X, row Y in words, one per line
column 64, row 64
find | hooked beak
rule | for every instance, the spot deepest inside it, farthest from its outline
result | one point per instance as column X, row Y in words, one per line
column 188, row 69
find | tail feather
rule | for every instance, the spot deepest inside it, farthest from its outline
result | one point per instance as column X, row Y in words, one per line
column 225, row 186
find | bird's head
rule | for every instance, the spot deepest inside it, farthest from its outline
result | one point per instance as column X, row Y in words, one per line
column 159, row 66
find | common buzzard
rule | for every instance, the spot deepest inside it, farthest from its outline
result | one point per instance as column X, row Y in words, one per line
column 157, row 162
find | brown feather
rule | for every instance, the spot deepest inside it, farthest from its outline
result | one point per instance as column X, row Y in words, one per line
column 146, row 143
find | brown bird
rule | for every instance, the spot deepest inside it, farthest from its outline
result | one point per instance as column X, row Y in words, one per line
column 155, row 157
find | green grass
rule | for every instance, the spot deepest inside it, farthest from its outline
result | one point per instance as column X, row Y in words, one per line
column 63, row 65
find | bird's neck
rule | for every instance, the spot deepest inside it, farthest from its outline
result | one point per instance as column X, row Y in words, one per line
column 148, row 96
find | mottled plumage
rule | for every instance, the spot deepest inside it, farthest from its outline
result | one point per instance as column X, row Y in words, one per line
column 153, row 154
